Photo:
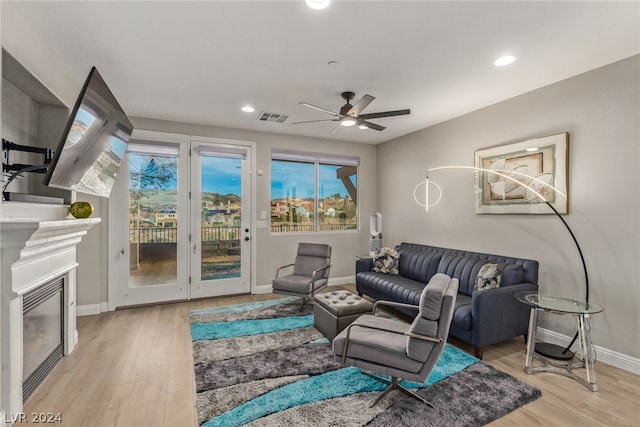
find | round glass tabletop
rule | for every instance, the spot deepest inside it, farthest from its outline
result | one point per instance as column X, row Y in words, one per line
column 557, row 304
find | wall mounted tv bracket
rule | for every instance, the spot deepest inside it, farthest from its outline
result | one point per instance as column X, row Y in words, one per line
column 17, row 169
column 8, row 146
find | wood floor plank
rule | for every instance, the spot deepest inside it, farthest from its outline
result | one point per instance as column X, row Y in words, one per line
column 133, row 367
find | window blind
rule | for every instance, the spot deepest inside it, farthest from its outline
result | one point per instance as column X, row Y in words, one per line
column 151, row 148
column 220, row 151
column 299, row 156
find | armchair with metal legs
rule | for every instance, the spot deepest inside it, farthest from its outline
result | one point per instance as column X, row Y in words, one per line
column 400, row 350
column 310, row 272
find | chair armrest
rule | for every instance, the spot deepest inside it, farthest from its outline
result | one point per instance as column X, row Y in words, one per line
column 392, row 304
column 313, row 275
column 378, row 328
column 281, row 267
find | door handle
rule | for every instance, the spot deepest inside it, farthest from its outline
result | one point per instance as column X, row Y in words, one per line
column 194, row 248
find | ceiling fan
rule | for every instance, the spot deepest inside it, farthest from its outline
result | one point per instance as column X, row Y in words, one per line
column 349, row 115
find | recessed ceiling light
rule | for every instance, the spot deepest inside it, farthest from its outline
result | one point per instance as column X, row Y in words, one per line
column 347, row 122
column 504, row 60
column 248, row 109
column 318, row 4
column 530, row 149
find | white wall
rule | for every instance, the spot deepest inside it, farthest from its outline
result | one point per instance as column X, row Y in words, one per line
column 600, row 109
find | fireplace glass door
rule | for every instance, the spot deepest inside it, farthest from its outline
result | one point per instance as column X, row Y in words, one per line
column 42, row 333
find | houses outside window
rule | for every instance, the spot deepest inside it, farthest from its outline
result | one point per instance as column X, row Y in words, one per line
column 311, row 192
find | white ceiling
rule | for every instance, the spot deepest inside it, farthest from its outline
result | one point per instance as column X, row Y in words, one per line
column 199, row 62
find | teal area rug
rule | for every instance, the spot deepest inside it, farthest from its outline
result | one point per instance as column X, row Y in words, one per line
column 264, row 364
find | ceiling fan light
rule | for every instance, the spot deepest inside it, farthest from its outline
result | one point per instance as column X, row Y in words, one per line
column 347, row 122
column 363, row 127
column 318, row 4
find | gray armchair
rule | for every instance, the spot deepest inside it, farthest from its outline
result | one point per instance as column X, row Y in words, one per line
column 310, row 272
column 401, row 350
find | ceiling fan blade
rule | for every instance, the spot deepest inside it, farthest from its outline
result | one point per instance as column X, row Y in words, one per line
column 360, row 105
column 369, row 124
column 314, row 121
column 306, row 104
column 335, row 129
column 384, row 114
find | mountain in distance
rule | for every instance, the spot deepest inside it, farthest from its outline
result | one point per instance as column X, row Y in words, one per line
column 163, row 199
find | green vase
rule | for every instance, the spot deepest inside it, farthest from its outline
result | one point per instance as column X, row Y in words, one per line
column 81, row 209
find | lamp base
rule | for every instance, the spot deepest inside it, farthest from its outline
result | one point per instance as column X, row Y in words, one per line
column 553, row 351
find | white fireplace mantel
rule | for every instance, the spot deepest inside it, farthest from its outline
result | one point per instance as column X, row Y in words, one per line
column 37, row 244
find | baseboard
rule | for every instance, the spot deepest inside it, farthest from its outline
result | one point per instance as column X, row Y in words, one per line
column 91, row 309
column 333, row 281
column 604, row 355
column 337, row 281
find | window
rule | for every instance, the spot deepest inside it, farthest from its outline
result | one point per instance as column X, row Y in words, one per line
column 312, row 193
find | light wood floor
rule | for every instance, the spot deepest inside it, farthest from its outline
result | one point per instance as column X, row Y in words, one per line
column 134, row 368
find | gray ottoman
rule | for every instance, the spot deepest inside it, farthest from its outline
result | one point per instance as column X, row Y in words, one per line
column 334, row 311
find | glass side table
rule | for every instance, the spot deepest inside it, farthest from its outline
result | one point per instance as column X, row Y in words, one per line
column 553, row 357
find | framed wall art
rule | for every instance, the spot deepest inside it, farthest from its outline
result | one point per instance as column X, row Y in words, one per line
column 539, row 164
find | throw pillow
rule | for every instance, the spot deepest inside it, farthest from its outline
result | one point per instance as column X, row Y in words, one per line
column 489, row 277
column 386, row 260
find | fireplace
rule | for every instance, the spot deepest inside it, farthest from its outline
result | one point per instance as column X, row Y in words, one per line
column 42, row 333
column 38, row 311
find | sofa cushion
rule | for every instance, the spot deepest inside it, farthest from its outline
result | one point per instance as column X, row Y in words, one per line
column 489, row 277
column 382, row 286
column 418, row 265
column 511, row 274
column 464, row 268
column 386, row 260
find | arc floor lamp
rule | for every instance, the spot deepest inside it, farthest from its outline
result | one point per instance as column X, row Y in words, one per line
column 535, row 188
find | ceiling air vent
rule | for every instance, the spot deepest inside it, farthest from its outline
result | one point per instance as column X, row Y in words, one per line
column 272, row 117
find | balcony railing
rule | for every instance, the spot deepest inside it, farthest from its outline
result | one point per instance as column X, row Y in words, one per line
column 170, row 235
column 222, row 233
column 291, row 228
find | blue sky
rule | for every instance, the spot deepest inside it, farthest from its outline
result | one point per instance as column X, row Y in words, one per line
column 222, row 175
column 292, row 179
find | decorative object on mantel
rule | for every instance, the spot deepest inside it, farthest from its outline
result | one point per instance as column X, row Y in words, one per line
column 539, row 163
column 537, row 190
column 81, row 209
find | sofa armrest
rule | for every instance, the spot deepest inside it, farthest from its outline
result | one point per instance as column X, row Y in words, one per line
column 364, row 264
column 497, row 315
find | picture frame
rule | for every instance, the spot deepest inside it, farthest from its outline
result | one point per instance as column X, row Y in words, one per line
column 537, row 163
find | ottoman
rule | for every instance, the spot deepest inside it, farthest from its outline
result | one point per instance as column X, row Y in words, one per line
column 334, row 311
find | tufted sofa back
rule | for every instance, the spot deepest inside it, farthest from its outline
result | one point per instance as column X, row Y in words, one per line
column 418, row 262
column 421, row 262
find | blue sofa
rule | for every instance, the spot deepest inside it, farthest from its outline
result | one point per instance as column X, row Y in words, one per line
column 481, row 318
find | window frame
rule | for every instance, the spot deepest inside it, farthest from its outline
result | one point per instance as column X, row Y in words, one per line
column 316, row 159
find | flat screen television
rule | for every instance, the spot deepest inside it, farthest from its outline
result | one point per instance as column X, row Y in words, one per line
column 93, row 143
